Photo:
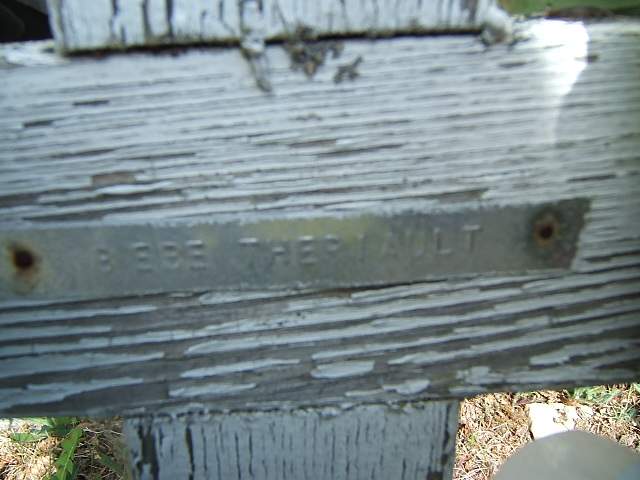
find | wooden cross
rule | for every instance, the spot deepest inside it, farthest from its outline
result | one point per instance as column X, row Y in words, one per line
column 301, row 281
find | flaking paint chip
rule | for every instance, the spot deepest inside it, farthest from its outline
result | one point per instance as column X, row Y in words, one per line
column 550, row 419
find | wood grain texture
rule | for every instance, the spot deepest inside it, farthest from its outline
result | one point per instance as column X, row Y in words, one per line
column 373, row 442
column 124, row 23
column 429, row 122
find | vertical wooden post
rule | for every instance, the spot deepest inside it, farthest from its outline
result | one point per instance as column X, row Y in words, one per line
column 414, row 440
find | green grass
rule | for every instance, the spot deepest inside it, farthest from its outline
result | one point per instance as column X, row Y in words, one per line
column 531, row 6
column 621, row 402
column 83, row 448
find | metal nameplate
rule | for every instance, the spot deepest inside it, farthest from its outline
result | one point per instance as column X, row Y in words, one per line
column 97, row 260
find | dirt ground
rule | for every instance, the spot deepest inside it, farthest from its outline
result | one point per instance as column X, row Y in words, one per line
column 494, row 426
column 491, row 428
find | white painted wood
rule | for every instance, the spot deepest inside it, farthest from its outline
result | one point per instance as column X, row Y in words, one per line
column 428, row 123
column 127, row 23
column 373, row 442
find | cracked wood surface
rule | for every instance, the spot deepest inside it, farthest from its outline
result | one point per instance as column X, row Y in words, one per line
column 413, row 441
column 123, row 23
column 429, row 123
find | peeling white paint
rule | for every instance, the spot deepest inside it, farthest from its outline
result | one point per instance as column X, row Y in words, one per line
column 541, row 337
column 46, row 314
column 479, row 375
column 238, row 367
column 467, row 390
column 564, row 354
column 364, row 393
column 210, row 389
column 57, row 391
column 131, row 189
column 219, row 298
column 343, row 369
column 33, row 54
column 120, row 23
column 408, row 387
column 24, row 366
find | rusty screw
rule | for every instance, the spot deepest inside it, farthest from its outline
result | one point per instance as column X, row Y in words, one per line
column 23, row 259
column 545, row 230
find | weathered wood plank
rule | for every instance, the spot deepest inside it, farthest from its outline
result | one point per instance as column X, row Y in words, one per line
column 126, row 23
column 353, row 442
column 429, row 123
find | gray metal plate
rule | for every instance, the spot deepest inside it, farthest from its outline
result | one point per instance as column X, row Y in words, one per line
column 98, row 260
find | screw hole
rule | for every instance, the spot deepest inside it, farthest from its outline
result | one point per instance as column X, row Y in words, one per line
column 23, row 259
column 546, row 231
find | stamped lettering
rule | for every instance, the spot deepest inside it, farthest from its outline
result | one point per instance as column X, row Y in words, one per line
column 397, row 247
column 471, row 231
column 274, row 253
column 307, row 250
column 332, row 243
column 439, row 243
column 196, row 257
column 281, row 252
column 142, row 256
column 103, row 259
column 170, row 255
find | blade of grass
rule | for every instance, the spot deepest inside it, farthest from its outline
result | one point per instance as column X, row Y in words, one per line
column 65, row 461
column 110, row 463
column 27, row 437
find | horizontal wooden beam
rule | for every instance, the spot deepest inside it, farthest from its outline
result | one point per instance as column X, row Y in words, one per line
column 427, row 124
column 123, row 23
